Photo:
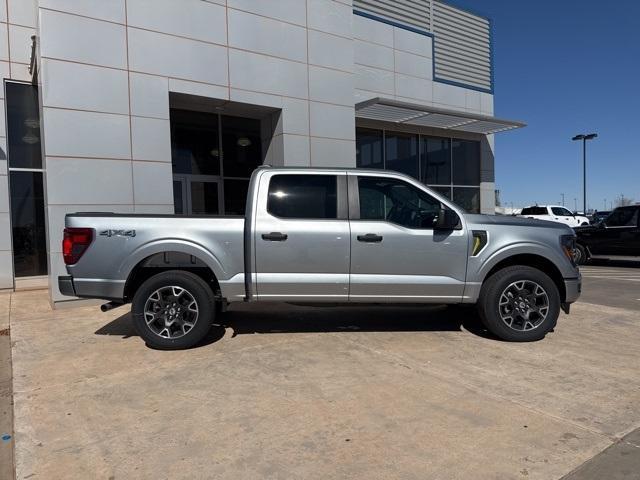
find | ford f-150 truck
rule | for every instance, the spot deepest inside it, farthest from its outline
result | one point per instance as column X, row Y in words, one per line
column 322, row 235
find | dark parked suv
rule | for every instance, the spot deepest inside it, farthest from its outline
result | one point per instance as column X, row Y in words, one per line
column 617, row 236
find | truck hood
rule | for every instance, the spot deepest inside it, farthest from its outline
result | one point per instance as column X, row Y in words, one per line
column 514, row 221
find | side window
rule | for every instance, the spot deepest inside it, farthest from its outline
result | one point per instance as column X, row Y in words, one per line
column 623, row 217
column 397, row 202
column 303, row 196
column 534, row 211
column 562, row 212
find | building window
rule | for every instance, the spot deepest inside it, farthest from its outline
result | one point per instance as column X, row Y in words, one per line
column 369, row 144
column 450, row 166
column 401, row 153
column 25, row 180
column 213, row 157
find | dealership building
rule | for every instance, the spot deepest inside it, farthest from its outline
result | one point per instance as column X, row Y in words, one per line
column 167, row 106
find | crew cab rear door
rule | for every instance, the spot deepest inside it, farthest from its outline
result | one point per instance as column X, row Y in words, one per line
column 302, row 237
column 396, row 255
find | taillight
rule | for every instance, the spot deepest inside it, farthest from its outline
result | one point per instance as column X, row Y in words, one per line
column 75, row 243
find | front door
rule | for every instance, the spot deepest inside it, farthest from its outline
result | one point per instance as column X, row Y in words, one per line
column 620, row 235
column 302, row 238
column 396, row 256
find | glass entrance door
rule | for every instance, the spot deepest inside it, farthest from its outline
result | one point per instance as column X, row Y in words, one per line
column 213, row 156
column 197, row 195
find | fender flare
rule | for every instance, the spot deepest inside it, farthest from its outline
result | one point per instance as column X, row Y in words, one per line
column 171, row 245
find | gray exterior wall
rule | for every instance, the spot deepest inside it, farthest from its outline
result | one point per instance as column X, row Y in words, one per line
column 107, row 67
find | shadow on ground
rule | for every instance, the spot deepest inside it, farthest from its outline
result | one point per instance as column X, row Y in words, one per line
column 277, row 318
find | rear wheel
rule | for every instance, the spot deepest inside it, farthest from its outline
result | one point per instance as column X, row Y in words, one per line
column 173, row 310
column 519, row 304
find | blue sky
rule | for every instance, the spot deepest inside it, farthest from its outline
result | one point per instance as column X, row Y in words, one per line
column 566, row 67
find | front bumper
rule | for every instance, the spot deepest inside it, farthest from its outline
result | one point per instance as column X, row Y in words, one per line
column 572, row 288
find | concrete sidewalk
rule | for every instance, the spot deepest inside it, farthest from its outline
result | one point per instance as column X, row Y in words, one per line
column 288, row 392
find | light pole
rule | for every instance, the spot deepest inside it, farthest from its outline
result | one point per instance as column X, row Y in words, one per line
column 562, row 199
column 584, row 139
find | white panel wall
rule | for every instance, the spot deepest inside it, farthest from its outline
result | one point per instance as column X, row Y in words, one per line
column 106, row 102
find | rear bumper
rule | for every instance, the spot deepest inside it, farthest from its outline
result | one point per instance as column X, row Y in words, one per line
column 104, row 289
column 572, row 288
column 65, row 285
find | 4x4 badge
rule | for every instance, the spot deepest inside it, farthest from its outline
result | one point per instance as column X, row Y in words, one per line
column 118, row 233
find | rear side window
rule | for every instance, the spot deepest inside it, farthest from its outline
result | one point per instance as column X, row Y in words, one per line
column 303, row 196
column 534, row 211
column 623, row 217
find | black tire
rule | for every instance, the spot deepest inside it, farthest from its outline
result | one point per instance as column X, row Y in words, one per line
column 196, row 307
column 580, row 255
column 502, row 281
column 584, row 224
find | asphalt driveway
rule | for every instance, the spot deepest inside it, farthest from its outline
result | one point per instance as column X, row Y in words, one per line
column 291, row 392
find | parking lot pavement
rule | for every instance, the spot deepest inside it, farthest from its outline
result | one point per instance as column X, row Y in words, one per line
column 616, row 284
column 292, row 392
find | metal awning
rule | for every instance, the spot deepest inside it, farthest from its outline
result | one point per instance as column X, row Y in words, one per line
column 403, row 113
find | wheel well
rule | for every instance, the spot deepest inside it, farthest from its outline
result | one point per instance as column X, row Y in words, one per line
column 534, row 261
column 161, row 262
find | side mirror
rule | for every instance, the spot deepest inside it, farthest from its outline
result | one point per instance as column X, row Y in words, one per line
column 446, row 220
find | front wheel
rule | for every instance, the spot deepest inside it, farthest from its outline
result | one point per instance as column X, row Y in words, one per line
column 173, row 310
column 519, row 304
column 580, row 255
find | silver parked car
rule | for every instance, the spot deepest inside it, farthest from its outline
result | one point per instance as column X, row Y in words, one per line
column 323, row 235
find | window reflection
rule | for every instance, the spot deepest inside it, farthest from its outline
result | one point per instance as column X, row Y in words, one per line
column 444, row 164
column 402, row 153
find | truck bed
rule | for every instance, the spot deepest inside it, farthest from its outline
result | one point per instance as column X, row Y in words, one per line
column 122, row 241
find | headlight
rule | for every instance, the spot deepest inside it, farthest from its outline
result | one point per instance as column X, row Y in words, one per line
column 568, row 244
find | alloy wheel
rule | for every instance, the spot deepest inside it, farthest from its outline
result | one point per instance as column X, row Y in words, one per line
column 171, row 312
column 524, row 305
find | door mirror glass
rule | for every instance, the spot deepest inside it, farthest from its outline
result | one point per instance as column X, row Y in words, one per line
column 446, row 220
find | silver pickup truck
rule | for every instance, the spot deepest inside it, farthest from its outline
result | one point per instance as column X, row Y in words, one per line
column 322, row 235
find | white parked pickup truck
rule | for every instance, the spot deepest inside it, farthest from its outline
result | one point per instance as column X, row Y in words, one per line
column 555, row 213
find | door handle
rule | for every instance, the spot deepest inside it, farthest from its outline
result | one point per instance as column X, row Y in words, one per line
column 275, row 236
column 370, row 238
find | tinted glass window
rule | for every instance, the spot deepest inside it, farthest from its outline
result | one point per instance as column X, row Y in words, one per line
column 303, row 196
column 467, row 198
column 241, row 147
column 534, row 211
column 178, row 201
column 623, row 217
column 466, row 162
column 397, row 202
column 435, row 157
column 446, row 191
column 27, row 222
column 561, row 212
column 402, row 153
column 204, row 198
column 23, row 126
column 194, row 143
column 369, row 148
column 235, row 196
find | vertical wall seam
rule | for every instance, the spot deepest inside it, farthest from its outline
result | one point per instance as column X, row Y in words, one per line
column 306, row 21
column 126, row 36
